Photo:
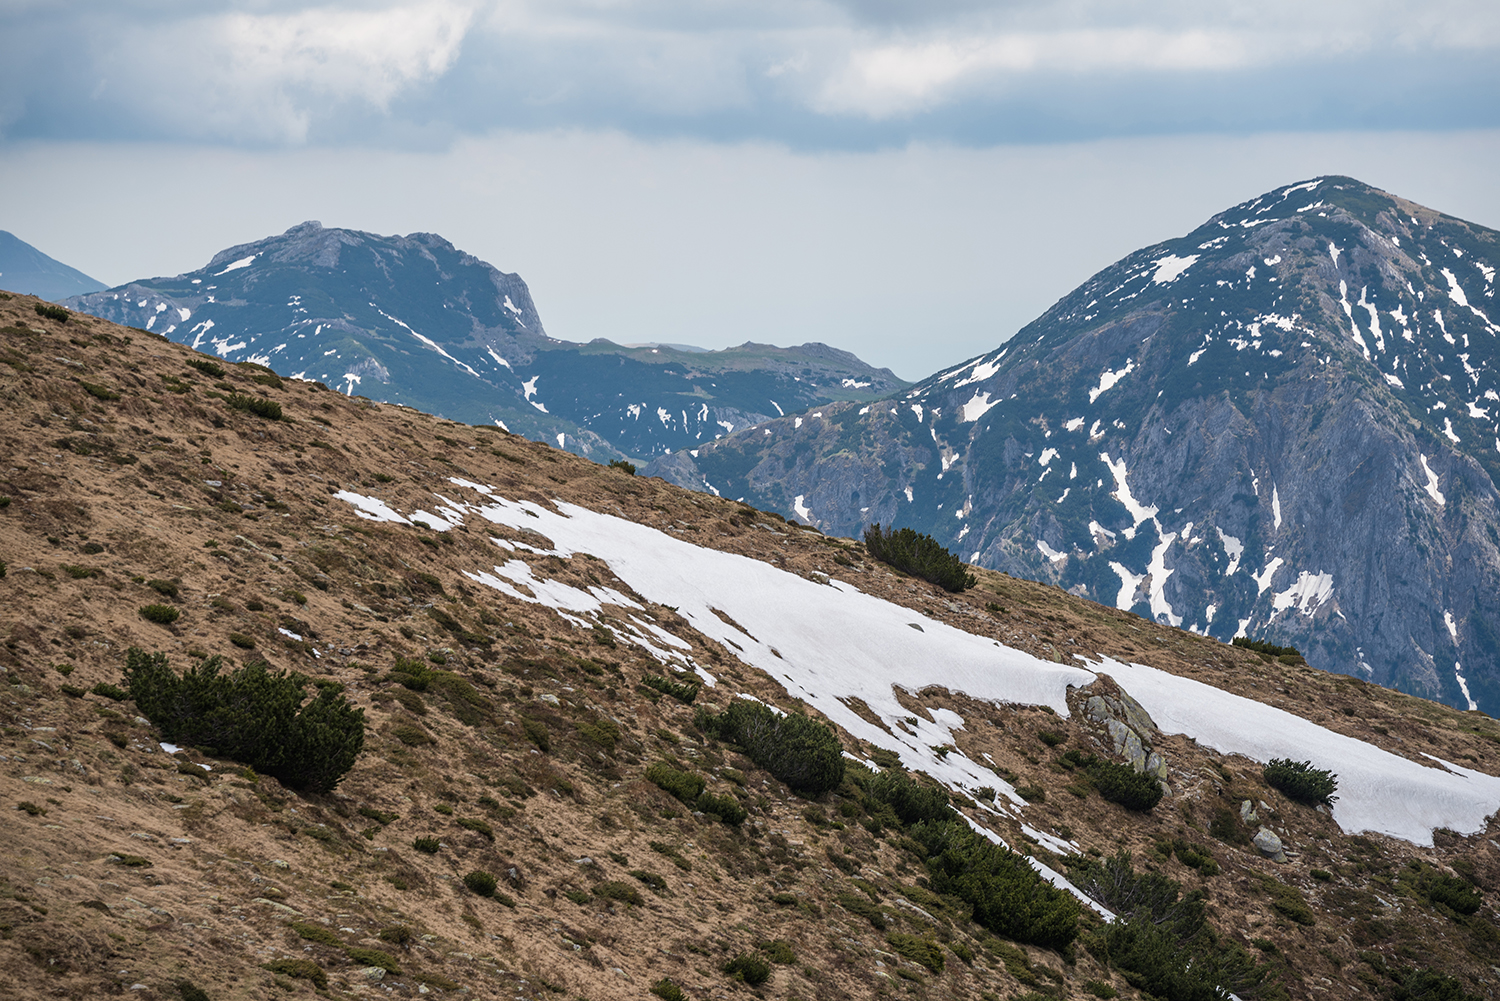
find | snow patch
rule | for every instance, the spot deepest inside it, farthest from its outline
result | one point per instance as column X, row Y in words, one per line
column 243, row 262
column 1171, row 267
column 1432, row 482
column 1263, row 579
column 1308, row 594
column 1049, row 552
column 1107, row 379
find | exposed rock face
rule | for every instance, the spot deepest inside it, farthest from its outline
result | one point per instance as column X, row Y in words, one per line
column 1130, row 730
column 414, row 320
column 1285, row 424
column 1268, row 844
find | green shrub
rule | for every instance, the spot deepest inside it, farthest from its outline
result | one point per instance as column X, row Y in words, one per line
column 1321, row 875
column 657, row 883
column 209, row 368
column 166, row 588
column 162, row 615
column 1452, row 892
column 481, row 883
column 616, row 890
column 411, row 735
column 672, row 855
column 1161, row 940
column 381, row 817
column 1226, row 826
column 686, row 786
column 427, row 846
column 1261, row 646
column 536, row 732
column 962, row 951
column 252, row 716
column 1300, row 781
column 302, row 969
column 682, row 692
column 29, row 807
column 52, row 312
column 113, row 692
column 668, row 991
column 911, row 801
column 242, row 641
column 864, row 907
column 725, row 807
column 1427, row 985
column 1050, row 737
column 411, row 673
column 919, row 555
column 1008, row 896
column 627, row 468
column 1124, row 785
column 397, row 935
column 99, row 392
column 477, row 826
column 798, row 750
column 257, row 405
column 918, row 950
column 1100, row 989
column 80, row 573
column 189, row 991
column 374, row 957
column 315, row 933
column 748, row 968
column 778, row 951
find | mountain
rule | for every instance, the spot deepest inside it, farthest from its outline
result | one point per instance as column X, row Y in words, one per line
column 413, row 320
column 542, row 658
column 1285, row 424
column 25, row 269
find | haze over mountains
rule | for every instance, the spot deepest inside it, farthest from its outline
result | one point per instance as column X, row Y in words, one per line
column 414, row 320
column 1284, row 424
column 23, row 268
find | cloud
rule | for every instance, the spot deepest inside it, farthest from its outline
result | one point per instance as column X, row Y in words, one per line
column 809, row 73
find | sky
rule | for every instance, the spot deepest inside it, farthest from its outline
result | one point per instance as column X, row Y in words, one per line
column 910, row 180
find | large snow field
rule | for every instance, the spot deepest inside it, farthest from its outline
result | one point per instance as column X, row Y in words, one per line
column 829, row 643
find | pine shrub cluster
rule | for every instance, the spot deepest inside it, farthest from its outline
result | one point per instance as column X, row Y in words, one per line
column 251, row 715
column 684, row 692
column 1261, row 646
column 919, row 555
column 798, row 750
column 1161, row 940
column 1007, row 895
column 686, row 786
column 1300, row 781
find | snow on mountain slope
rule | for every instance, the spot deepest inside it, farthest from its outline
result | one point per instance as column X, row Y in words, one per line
column 830, row 643
column 1285, row 424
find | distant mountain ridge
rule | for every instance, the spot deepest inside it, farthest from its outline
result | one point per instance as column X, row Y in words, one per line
column 414, row 320
column 1284, row 424
column 25, row 269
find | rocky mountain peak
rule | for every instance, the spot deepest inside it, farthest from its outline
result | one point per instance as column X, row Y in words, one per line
column 1284, row 424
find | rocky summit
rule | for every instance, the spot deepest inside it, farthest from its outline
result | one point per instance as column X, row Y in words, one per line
column 303, row 695
column 1284, row 425
column 414, row 320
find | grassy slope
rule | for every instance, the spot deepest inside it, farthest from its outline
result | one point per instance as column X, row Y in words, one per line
column 162, row 484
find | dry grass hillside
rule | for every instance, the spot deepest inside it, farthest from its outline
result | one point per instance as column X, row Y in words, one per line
column 136, row 473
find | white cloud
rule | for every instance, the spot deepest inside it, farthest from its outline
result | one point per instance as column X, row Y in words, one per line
column 269, row 76
column 900, row 78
